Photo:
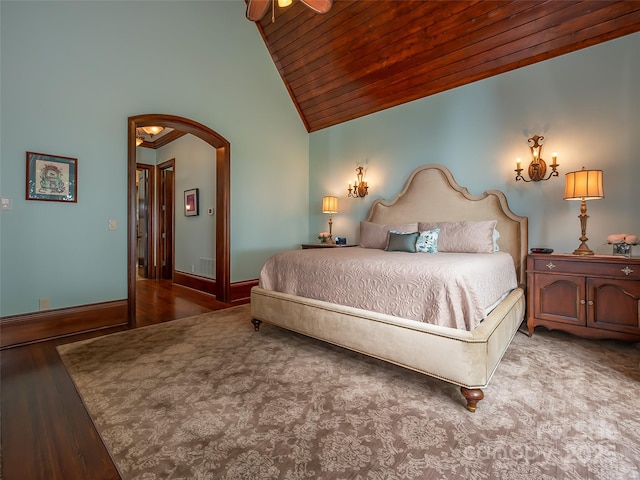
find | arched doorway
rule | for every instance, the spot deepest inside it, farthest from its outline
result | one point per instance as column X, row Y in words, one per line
column 223, row 187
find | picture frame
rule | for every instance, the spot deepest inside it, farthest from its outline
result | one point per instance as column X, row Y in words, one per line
column 51, row 178
column 191, row 203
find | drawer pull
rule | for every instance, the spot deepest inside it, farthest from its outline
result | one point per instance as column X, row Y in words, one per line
column 551, row 266
column 626, row 270
column 590, row 302
column 581, row 302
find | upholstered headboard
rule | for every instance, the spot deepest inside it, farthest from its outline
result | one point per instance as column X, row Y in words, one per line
column 432, row 195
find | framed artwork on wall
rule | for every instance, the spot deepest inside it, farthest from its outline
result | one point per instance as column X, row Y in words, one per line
column 52, row 178
column 191, row 202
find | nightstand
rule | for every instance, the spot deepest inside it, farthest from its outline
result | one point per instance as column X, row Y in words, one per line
column 595, row 296
column 324, row 245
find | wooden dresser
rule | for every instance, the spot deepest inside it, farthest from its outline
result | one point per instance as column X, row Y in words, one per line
column 590, row 296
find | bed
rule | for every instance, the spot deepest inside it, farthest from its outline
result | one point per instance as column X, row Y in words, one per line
column 466, row 357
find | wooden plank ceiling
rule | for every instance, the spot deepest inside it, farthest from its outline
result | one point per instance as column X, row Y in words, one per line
column 368, row 55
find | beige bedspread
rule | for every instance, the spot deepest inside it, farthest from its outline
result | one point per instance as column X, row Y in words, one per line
column 447, row 289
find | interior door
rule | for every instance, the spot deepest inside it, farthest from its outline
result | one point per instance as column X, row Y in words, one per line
column 166, row 205
column 143, row 227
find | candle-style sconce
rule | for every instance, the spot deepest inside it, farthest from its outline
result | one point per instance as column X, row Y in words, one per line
column 538, row 167
column 359, row 188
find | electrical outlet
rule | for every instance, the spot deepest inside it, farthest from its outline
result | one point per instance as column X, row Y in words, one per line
column 113, row 224
column 45, row 303
column 5, row 203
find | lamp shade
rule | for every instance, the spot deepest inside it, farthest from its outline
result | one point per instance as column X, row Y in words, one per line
column 152, row 129
column 329, row 204
column 583, row 185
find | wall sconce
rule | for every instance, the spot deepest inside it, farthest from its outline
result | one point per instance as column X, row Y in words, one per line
column 583, row 185
column 359, row 188
column 538, row 167
column 330, row 206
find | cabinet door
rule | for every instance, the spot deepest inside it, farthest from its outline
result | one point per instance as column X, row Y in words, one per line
column 613, row 305
column 560, row 298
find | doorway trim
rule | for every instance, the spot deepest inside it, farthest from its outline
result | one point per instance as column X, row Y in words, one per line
column 223, row 193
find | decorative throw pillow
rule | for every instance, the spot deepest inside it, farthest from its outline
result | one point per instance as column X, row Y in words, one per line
column 402, row 242
column 427, row 241
column 374, row 235
column 466, row 236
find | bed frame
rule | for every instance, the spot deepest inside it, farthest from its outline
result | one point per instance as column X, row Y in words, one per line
column 465, row 358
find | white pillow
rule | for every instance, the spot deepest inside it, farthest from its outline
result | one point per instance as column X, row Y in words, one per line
column 464, row 237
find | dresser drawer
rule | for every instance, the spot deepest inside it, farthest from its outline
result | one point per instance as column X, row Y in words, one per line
column 626, row 270
column 623, row 268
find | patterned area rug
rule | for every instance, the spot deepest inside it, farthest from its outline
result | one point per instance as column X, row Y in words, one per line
column 208, row 398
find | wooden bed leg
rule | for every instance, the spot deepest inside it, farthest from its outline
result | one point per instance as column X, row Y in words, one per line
column 473, row 396
column 256, row 323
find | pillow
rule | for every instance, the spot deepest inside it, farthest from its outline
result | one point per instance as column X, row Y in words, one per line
column 374, row 235
column 496, row 236
column 402, row 242
column 427, row 241
column 463, row 237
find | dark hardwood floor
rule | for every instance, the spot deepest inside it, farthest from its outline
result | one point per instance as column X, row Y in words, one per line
column 46, row 432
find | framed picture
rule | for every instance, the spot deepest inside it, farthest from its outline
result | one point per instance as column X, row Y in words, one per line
column 191, row 202
column 52, row 178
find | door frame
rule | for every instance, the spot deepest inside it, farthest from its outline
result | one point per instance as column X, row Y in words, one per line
column 223, row 194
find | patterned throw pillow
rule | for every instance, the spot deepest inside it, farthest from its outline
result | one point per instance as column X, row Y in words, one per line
column 427, row 241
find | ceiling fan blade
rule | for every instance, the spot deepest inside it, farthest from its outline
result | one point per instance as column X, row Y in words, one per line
column 318, row 6
column 257, row 8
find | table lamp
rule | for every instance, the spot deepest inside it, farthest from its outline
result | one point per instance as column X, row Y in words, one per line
column 583, row 185
column 330, row 206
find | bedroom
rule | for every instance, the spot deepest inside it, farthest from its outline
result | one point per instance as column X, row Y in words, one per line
column 69, row 82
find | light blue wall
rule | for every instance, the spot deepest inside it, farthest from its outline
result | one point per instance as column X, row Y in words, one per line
column 72, row 72
column 586, row 104
column 71, row 75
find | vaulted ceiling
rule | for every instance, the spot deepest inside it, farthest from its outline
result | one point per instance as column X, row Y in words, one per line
column 368, row 55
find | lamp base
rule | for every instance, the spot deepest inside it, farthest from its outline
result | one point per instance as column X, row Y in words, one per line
column 583, row 250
